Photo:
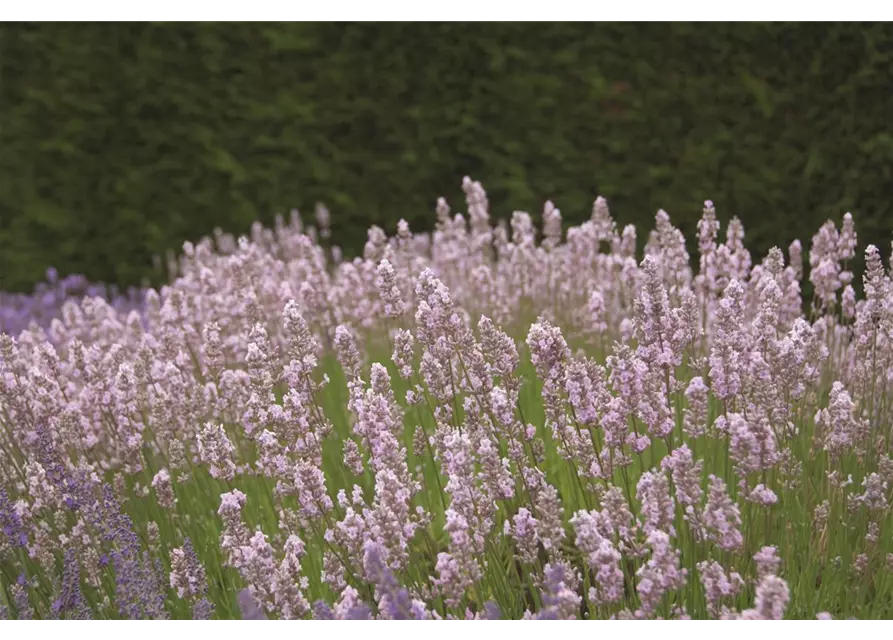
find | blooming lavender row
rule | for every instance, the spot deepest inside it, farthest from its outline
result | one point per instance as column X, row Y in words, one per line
column 18, row 311
column 493, row 421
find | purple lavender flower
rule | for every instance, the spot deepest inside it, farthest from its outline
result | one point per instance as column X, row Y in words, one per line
column 19, row 311
column 203, row 609
column 359, row 612
column 21, row 599
column 70, row 602
column 394, row 602
column 249, row 607
column 321, row 611
column 560, row 599
column 492, row 611
column 139, row 590
column 189, row 579
column 10, row 522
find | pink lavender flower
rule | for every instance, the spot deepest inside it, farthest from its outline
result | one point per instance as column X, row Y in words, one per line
column 468, row 520
column 875, row 495
column 594, row 533
column 498, row 348
column 560, row 599
column 188, row 578
column 767, row 561
column 722, row 517
column 235, row 534
column 494, row 473
column 597, row 310
column 164, row 492
column 551, row 225
column 212, row 348
column 695, row 421
column 287, row 583
column 658, row 509
column 617, row 510
column 350, row 606
column 848, row 302
column 771, row 600
column 752, row 443
column 842, row 430
column 310, row 485
column 389, row 291
column 216, row 450
column 661, row 574
column 257, row 567
column 686, row 475
column 548, row 349
column 762, row 495
column 403, row 355
column 824, row 260
column 454, row 576
column 547, row 503
column 348, row 353
column 729, row 351
column 717, row 585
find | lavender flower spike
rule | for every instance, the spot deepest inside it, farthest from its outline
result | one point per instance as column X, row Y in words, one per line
column 249, row 607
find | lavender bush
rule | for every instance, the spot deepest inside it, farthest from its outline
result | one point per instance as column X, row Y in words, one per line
column 20, row 311
column 478, row 424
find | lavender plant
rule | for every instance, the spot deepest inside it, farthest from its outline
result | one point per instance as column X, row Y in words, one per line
column 476, row 423
column 20, row 311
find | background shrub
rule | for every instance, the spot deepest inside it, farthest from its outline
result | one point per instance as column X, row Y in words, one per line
column 119, row 141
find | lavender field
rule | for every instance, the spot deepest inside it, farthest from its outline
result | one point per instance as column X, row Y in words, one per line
column 490, row 421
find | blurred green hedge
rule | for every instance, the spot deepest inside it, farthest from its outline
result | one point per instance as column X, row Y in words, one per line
column 120, row 141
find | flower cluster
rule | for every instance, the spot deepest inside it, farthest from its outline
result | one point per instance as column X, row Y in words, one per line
column 489, row 421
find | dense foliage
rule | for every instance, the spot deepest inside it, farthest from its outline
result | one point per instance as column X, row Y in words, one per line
column 119, row 141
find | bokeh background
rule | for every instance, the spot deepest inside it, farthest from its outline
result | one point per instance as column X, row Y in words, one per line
column 119, row 142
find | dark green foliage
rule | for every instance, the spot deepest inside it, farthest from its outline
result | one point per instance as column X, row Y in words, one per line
column 120, row 141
